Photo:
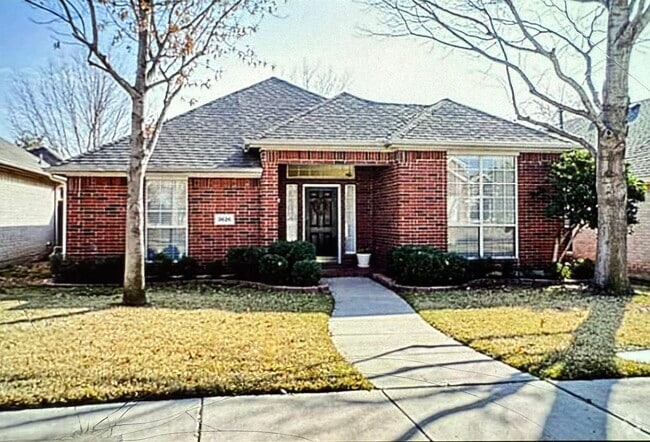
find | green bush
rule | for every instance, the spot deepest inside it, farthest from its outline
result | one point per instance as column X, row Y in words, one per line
column 187, row 267
column 306, row 272
column 426, row 265
column 294, row 251
column 455, row 268
column 244, row 262
column 480, row 268
column 273, row 269
column 583, row 268
column 215, row 268
column 105, row 270
column 160, row 267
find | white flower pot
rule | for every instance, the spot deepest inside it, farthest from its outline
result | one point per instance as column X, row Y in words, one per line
column 363, row 260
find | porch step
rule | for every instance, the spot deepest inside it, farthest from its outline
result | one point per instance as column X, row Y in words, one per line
column 337, row 270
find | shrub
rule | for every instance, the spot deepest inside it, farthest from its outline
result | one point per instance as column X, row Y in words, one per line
column 187, row 267
column 273, row 269
column 480, row 268
column 106, row 270
column 306, row 272
column 160, row 268
column 294, row 251
column 215, row 269
column 563, row 270
column 455, row 268
column 398, row 257
column 244, row 262
column 583, row 269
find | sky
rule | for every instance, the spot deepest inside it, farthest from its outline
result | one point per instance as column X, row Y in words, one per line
column 324, row 32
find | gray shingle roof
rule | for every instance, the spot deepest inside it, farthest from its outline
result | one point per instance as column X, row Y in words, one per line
column 211, row 136
column 345, row 118
column 349, row 118
column 638, row 140
column 17, row 158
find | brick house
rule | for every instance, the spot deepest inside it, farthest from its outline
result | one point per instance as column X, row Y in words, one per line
column 638, row 157
column 274, row 161
column 28, row 202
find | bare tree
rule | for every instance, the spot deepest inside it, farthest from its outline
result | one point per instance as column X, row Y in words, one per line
column 322, row 80
column 167, row 39
column 69, row 106
column 586, row 46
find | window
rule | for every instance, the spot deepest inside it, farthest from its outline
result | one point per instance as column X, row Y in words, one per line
column 292, row 212
column 166, row 217
column 350, row 218
column 341, row 171
column 481, row 206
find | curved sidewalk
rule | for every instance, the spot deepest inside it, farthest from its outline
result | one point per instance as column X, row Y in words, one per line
column 450, row 391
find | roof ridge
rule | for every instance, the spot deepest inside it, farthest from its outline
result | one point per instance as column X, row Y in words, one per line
column 295, row 117
column 538, row 131
column 413, row 121
column 190, row 112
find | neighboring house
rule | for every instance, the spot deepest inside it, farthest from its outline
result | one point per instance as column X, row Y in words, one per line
column 28, row 201
column 638, row 157
column 274, row 161
column 46, row 156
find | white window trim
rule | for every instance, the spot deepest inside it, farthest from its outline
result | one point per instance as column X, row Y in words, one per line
column 187, row 212
column 291, row 233
column 354, row 217
column 481, row 225
column 338, row 223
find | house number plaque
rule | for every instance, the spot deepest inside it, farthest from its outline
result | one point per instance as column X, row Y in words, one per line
column 224, row 219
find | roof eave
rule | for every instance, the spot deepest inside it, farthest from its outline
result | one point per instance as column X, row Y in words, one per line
column 391, row 145
column 224, row 172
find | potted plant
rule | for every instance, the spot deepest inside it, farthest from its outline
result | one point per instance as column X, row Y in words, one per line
column 363, row 258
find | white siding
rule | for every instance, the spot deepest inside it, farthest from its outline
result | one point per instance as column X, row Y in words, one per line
column 27, row 209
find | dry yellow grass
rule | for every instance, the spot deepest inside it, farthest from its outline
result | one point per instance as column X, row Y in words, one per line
column 555, row 333
column 79, row 345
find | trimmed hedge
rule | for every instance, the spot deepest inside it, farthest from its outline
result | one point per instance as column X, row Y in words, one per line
column 110, row 270
column 306, row 272
column 244, row 262
column 421, row 265
column 283, row 262
column 294, row 251
column 274, row 269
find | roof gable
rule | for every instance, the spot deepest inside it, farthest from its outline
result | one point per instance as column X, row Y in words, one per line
column 210, row 136
column 346, row 118
column 17, row 158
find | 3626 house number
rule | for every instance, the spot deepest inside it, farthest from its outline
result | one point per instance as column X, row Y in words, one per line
column 224, row 219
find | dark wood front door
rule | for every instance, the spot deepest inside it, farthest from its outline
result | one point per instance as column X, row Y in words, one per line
column 321, row 223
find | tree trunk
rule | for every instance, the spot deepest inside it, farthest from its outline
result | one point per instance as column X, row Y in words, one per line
column 134, row 276
column 611, row 256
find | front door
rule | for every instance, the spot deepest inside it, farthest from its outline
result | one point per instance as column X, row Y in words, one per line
column 321, row 220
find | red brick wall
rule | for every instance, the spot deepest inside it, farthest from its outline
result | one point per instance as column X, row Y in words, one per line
column 410, row 199
column 638, row 242
column 536, row 232
column 208, row 196
column 96, row 216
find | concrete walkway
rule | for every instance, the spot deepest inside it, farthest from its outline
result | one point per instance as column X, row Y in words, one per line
column 429, row 387
column 450, row 391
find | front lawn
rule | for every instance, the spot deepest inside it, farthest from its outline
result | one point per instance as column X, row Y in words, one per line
column 73, row 345
column 554, row 332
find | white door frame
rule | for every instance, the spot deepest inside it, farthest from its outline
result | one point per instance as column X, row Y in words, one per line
column 338, row 216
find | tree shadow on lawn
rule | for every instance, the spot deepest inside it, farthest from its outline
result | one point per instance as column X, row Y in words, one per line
column 591, row 348
column 71, row 301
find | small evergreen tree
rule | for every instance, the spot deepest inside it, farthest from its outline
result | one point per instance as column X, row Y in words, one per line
column 574, row 200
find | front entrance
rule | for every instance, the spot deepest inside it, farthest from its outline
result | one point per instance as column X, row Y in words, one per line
column 321, row 204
